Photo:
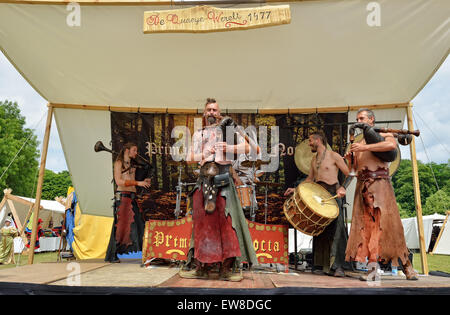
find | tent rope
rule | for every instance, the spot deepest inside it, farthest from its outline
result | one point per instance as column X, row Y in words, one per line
column 438, row 140
column 426, row 153
column 35, row 181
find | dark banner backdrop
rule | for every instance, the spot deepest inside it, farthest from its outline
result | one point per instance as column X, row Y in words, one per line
column 153, row 135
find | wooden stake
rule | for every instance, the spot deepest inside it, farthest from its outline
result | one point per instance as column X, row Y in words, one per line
column 415, row 173
column 2, row 204
column 15, row 215
column 37, row 202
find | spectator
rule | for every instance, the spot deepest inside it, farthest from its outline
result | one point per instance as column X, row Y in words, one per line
column 8, row 232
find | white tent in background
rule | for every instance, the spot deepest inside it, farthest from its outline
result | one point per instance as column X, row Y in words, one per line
column 304, row 241
column 412, row 233
column 51, row 213
column 442, row 245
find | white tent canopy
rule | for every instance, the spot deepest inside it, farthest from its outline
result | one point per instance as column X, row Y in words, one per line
column 410, row 231
column 328, row 58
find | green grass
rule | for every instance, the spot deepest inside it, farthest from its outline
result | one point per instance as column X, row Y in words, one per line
column 435, row 263
column 38, row 258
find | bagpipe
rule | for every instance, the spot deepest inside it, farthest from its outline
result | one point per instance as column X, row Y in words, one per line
column 372, row 135
column 229, row 122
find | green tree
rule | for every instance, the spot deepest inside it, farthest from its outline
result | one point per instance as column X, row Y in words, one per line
column 439, row 202
column 14, row 137
column 403, row 213
column 55, row 184
column 441, row 173
column 446, row 187
column 429, row 175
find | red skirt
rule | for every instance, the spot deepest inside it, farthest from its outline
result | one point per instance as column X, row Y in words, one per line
column 214, row 237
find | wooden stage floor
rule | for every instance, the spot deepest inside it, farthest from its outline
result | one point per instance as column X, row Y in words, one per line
column 96, row 274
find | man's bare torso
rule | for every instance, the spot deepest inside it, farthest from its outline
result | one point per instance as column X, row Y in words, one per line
column 367, row 159
column 128, row 175
column 328, row 170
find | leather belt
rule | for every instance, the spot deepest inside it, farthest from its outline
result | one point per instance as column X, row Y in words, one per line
column 379, row 173
column 129, row 194
column 209, row 167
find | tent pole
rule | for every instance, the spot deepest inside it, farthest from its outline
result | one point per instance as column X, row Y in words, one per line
column 2, row 203
column 37, row 202
column 15, row 215
column 415, row 173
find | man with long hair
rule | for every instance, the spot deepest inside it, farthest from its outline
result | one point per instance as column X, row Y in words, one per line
column 128, row 228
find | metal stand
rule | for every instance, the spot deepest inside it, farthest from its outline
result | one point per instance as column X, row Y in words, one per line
column 178, row 189
column 265, row 204
column 253, row 201
column 295, row 250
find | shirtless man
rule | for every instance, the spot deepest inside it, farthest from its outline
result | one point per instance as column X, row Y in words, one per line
column 220, row 232
column 329, row 246
column 377, row 230
column 128, row 228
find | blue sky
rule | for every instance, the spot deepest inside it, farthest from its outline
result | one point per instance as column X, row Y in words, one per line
column 431, row 111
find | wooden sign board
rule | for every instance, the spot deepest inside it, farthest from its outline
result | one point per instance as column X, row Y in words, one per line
column 270, row 242
column 201, row 19
column 170, row 239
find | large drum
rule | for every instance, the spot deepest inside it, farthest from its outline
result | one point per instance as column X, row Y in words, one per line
column 310, row 209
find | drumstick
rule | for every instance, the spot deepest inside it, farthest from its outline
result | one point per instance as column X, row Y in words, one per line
column 328, row 199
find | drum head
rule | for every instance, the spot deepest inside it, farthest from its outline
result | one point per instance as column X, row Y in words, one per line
column 303, row 156
column 312, row 194
column 393, row 166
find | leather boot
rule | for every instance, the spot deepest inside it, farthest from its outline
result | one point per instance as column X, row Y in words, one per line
column 198, row 273
column 225, row 272
column 409, row 271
